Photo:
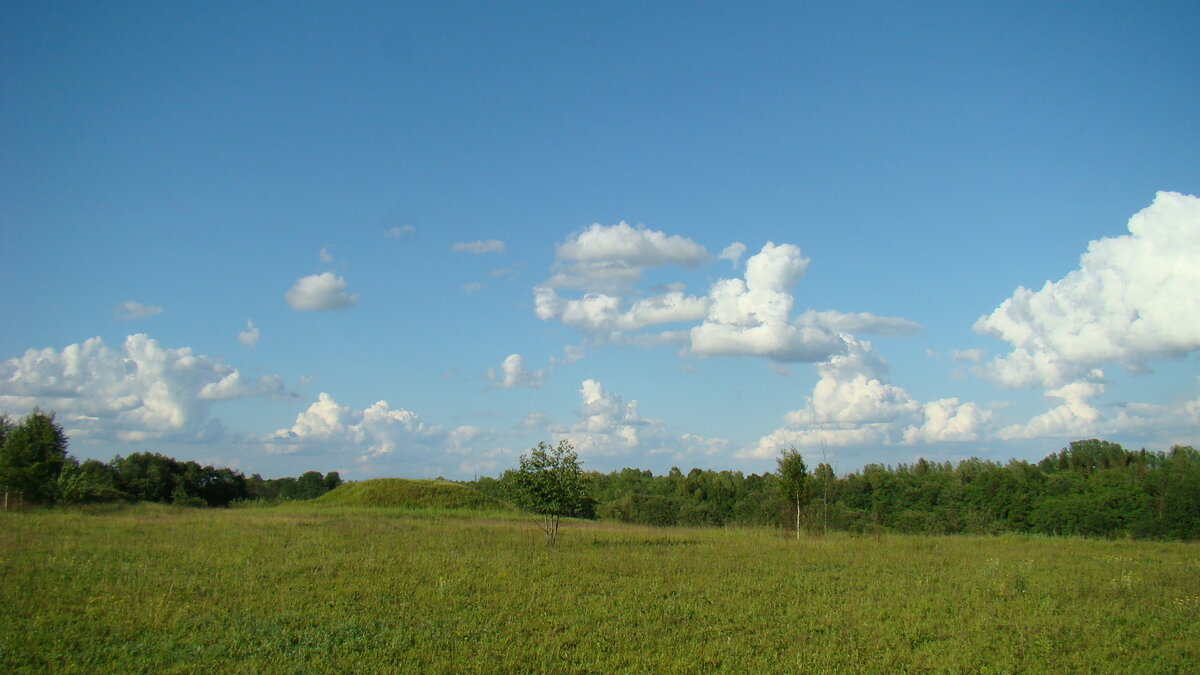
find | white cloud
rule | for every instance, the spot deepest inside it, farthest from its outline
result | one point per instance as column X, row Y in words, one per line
column 378, row 431
column 513, row 374
column 948, row 420
column 249, row 337
column 473, row 287
column 399, row 231
column 320, row 292
column 733, row 252
column 610, row 259
column 325, row 255
column 489, row 246
column 1132, row 300
column 853, row 405
column 636, row 247
column 967, row 355
column 601, row 317
column 1074, row 416
column 144, row 391
column 609, row 426
column 132, row 311
column 751, row 316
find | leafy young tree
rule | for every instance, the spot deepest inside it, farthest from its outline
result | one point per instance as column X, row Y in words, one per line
column 550, row 483
column 32, row 457
column 793, row 477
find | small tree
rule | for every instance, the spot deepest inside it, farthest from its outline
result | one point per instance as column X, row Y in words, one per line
column 793, row 480
column 550, row 483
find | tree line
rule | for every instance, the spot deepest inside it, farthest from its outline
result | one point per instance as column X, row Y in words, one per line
column 35, row 468
column 1090, row 488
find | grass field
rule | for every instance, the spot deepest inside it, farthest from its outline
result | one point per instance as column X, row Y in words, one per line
column 340, row 589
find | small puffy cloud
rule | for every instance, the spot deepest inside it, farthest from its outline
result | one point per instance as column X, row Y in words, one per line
column 489, row 246
column 513, row 374
column 249, row 337
column 633, row 246
column 132, row 311
column 325, row 255
column 320, row 292
column 733, row 252
column 612, row 258
column 399, row 231
column 1132, row 300
column 967, row 355
column 142, row 391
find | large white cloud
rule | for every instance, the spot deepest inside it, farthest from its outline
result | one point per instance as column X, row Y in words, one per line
column 1132, row 300
column 752, row 316
column 602, row 317
column 142, row 391
column 852, row 404
column 320, row 292
column 376, row 433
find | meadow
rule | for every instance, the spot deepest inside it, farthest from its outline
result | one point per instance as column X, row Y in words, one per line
column 311, row 589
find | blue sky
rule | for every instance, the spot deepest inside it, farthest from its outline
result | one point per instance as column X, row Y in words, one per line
column 415, row 240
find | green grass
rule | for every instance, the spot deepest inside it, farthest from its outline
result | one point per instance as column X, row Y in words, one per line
column 162, row 589
column 408, row 493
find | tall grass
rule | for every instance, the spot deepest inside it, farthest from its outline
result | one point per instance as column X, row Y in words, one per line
column 161, row 589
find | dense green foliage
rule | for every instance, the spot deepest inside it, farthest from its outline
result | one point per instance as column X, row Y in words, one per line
column 1090, row 488
column 35, row 468
column 117, row 589
column 408, row 493
column 550, row 483
column 32, row 455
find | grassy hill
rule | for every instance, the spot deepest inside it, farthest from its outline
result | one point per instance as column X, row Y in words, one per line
column 411, row 493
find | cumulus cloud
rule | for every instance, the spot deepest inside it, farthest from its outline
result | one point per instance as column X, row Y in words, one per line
column 249, row 337
column 489, row 246
column 610, row 259
column 513, row 374
column 602, row 317
column 320, row 292
column 325, row 255
column 852, row 404
column 751, row 316
column 132, row 311
column 948, row 420
column 143, row 391
column 399, row 231
column 609, row 426
column 1132, row 300
column 327, row 427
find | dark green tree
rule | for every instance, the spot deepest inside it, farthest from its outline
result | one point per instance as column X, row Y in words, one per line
column 550, row 483
column 32, row 457
column 793, row 480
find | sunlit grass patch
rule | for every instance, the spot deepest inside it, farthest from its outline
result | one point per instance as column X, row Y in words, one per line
column 343, row 589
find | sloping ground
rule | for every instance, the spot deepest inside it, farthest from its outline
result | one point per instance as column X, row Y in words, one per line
column 405, row 492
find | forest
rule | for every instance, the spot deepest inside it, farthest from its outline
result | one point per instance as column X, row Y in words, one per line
column 1091, row 488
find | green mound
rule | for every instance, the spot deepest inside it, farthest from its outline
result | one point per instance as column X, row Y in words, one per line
column 404, row 492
